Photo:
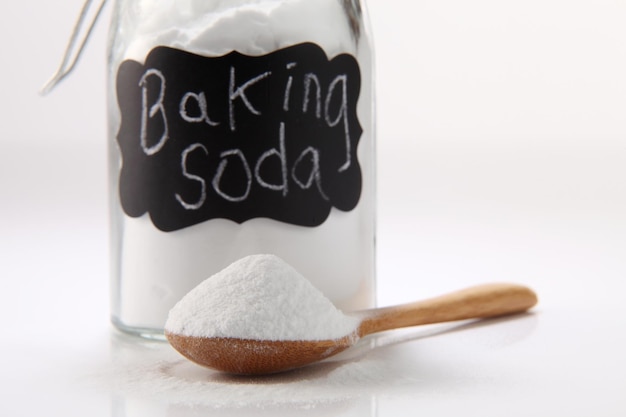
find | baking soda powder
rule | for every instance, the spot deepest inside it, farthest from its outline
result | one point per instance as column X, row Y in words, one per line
column 259, row 297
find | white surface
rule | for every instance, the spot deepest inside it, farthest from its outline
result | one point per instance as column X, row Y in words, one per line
column 502, row 144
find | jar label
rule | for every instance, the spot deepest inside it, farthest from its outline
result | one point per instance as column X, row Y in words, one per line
column 239, row 137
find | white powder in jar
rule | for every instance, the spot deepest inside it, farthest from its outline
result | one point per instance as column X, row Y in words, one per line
column 153, row 269
column 259, row 297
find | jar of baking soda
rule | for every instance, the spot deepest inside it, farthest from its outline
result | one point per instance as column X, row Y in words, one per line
column 238, row 127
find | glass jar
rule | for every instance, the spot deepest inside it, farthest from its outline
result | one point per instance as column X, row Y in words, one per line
column 238, row 127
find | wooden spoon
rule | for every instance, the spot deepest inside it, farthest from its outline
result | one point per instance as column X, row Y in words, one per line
column 257, row 357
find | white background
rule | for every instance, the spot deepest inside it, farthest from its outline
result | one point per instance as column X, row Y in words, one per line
column 502, row 156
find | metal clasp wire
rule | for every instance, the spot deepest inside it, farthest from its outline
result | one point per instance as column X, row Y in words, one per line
column 72, row 54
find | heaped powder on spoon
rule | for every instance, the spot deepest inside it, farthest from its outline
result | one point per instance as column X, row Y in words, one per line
column 259, row 297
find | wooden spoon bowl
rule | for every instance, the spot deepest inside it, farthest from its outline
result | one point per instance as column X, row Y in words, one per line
column 255, row 357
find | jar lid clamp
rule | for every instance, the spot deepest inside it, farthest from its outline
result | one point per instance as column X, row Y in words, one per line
column 75, row 45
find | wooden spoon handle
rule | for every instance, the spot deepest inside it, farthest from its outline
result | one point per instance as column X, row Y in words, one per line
column 489, row 300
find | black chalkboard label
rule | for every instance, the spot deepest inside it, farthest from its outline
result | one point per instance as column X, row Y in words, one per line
column 239, row 137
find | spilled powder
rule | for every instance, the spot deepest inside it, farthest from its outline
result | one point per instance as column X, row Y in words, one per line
column 151, row 375
column 259, row 297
